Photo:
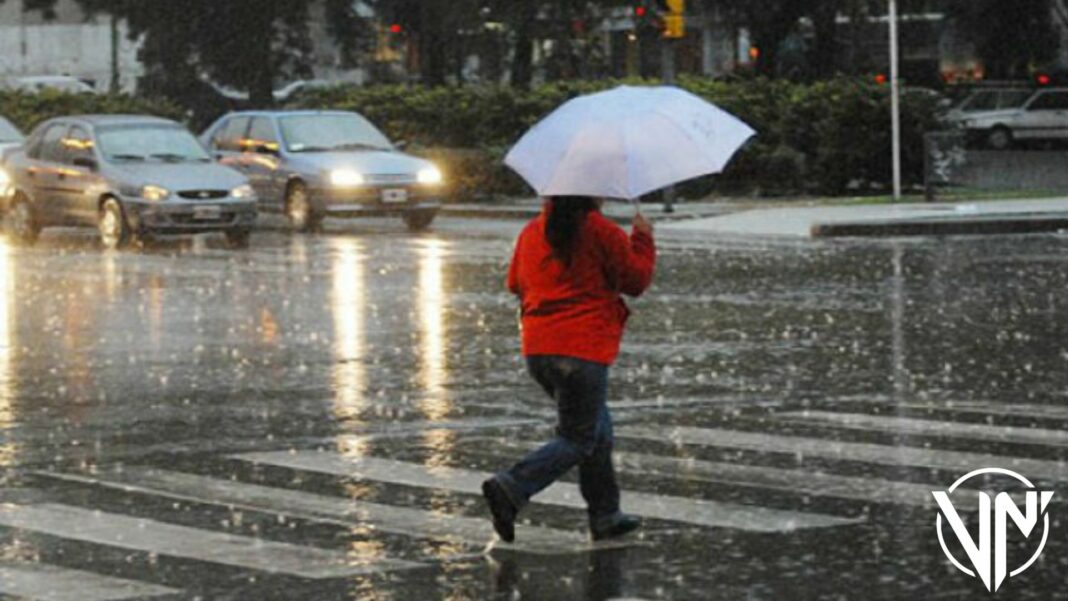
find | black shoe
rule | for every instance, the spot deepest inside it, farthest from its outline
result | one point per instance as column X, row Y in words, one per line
column 618, row 526
column 502, row 509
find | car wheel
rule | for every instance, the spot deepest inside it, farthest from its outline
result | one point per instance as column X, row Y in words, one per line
column 114, row 231
column 238, row 239
column 999, row 138
column 22, row 220
column 418, row 221
column 299, row 210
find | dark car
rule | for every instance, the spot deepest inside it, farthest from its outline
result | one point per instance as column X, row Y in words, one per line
column 130, row 176
column 316, row 164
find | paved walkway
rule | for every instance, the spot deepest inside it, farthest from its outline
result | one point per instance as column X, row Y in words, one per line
column 1016, row 216
column 738, row 219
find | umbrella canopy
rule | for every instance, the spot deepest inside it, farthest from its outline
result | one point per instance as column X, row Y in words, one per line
column 627, row 142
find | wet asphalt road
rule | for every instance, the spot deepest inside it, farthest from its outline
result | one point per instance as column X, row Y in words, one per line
column 164, row 410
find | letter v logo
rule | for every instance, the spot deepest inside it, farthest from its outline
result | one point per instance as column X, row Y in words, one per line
column 981, row 554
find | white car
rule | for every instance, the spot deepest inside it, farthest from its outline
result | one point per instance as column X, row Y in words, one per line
column 39, row 83
column 1042, row 115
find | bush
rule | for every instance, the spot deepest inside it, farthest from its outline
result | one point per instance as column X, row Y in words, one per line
column 828, row 137
column 26, row 110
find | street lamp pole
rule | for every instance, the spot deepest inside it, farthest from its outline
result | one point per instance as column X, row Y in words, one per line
column 895, row 100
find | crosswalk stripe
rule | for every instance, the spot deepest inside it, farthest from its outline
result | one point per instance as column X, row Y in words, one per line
column 1027, row 410
column 802, row 482
column 42, row 582
column 676, row 509
column 151, row 536
column 896, row 456
column 418, row 523
column 908, row 425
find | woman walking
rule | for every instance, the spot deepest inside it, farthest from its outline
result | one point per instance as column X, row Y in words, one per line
column 570, row 267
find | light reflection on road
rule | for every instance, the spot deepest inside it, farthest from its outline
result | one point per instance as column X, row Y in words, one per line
column 349, row 306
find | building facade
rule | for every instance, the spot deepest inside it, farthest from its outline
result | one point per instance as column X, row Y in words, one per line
column 95, row 49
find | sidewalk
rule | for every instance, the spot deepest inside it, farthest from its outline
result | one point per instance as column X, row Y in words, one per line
column 876, row 220
column 990, row 217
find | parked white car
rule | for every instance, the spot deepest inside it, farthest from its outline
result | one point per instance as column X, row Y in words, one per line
column 1042, row 115
column 39, row 83
column 989, row 99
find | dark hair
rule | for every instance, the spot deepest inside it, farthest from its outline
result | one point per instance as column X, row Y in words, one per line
column 564, row 222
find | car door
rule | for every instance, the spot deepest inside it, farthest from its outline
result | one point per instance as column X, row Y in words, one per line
column 44, row 160
column 263, row 163
column 1046, row 116
column 78, row 177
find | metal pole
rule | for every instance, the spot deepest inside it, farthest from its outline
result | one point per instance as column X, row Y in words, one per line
column 116, row 78
column 895, row 100
column 667, row 73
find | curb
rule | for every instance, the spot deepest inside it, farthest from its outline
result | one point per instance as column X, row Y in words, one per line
column 943, row 227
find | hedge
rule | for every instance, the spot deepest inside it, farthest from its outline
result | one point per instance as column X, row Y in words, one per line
column 828, row 137
column 27, row 110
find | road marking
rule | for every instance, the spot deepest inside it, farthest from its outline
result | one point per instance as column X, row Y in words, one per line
column 797, row 481
column 150, row 536
column 1027, row 410
column 474, row 532
column 676, row 509
column 43, row 582
column 928, row 427
column 896, row 456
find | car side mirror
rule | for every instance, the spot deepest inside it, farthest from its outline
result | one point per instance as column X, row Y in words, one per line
column 85, row 162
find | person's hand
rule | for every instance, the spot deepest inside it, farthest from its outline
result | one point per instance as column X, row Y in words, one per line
column 641, row 224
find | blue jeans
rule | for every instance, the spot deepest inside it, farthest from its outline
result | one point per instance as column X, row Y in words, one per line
column 583, row 437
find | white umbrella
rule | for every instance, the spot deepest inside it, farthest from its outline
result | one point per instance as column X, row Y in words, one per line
column 627, row 142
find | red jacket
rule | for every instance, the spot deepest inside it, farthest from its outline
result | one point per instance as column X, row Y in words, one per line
column 577, row 311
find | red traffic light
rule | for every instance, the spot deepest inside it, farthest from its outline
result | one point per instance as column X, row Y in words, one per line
column 640, row 11
column 396, row 28
column 1043, row 79
column 881, row 79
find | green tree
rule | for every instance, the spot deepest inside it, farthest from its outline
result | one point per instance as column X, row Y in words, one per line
column 1010, row 37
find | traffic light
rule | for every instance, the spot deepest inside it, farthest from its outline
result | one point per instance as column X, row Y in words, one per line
column 675, row 19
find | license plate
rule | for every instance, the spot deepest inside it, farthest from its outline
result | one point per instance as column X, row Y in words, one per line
column 395, row 195
column 206, row 212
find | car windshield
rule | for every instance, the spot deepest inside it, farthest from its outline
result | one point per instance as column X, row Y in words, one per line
column 8, row 133
column 321, row 133
column 992, row 100
column 141, row 142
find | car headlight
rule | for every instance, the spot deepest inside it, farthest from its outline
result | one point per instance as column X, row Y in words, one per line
column 346, row 178
column 243, row 191
column 154, row 193
column 430, row 176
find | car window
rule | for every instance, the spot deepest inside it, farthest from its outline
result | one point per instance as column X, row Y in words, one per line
column 1050, row 101
column 8, row 132
column 980, row 101
column 333, row 131
column 261, row 134
column 50, row 148
column 141, row 142
column 228, row 137
column 78, row 145
column 1011, row 99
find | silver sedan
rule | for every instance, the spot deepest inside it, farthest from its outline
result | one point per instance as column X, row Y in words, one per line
column 132, row 177
column 316, row 164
